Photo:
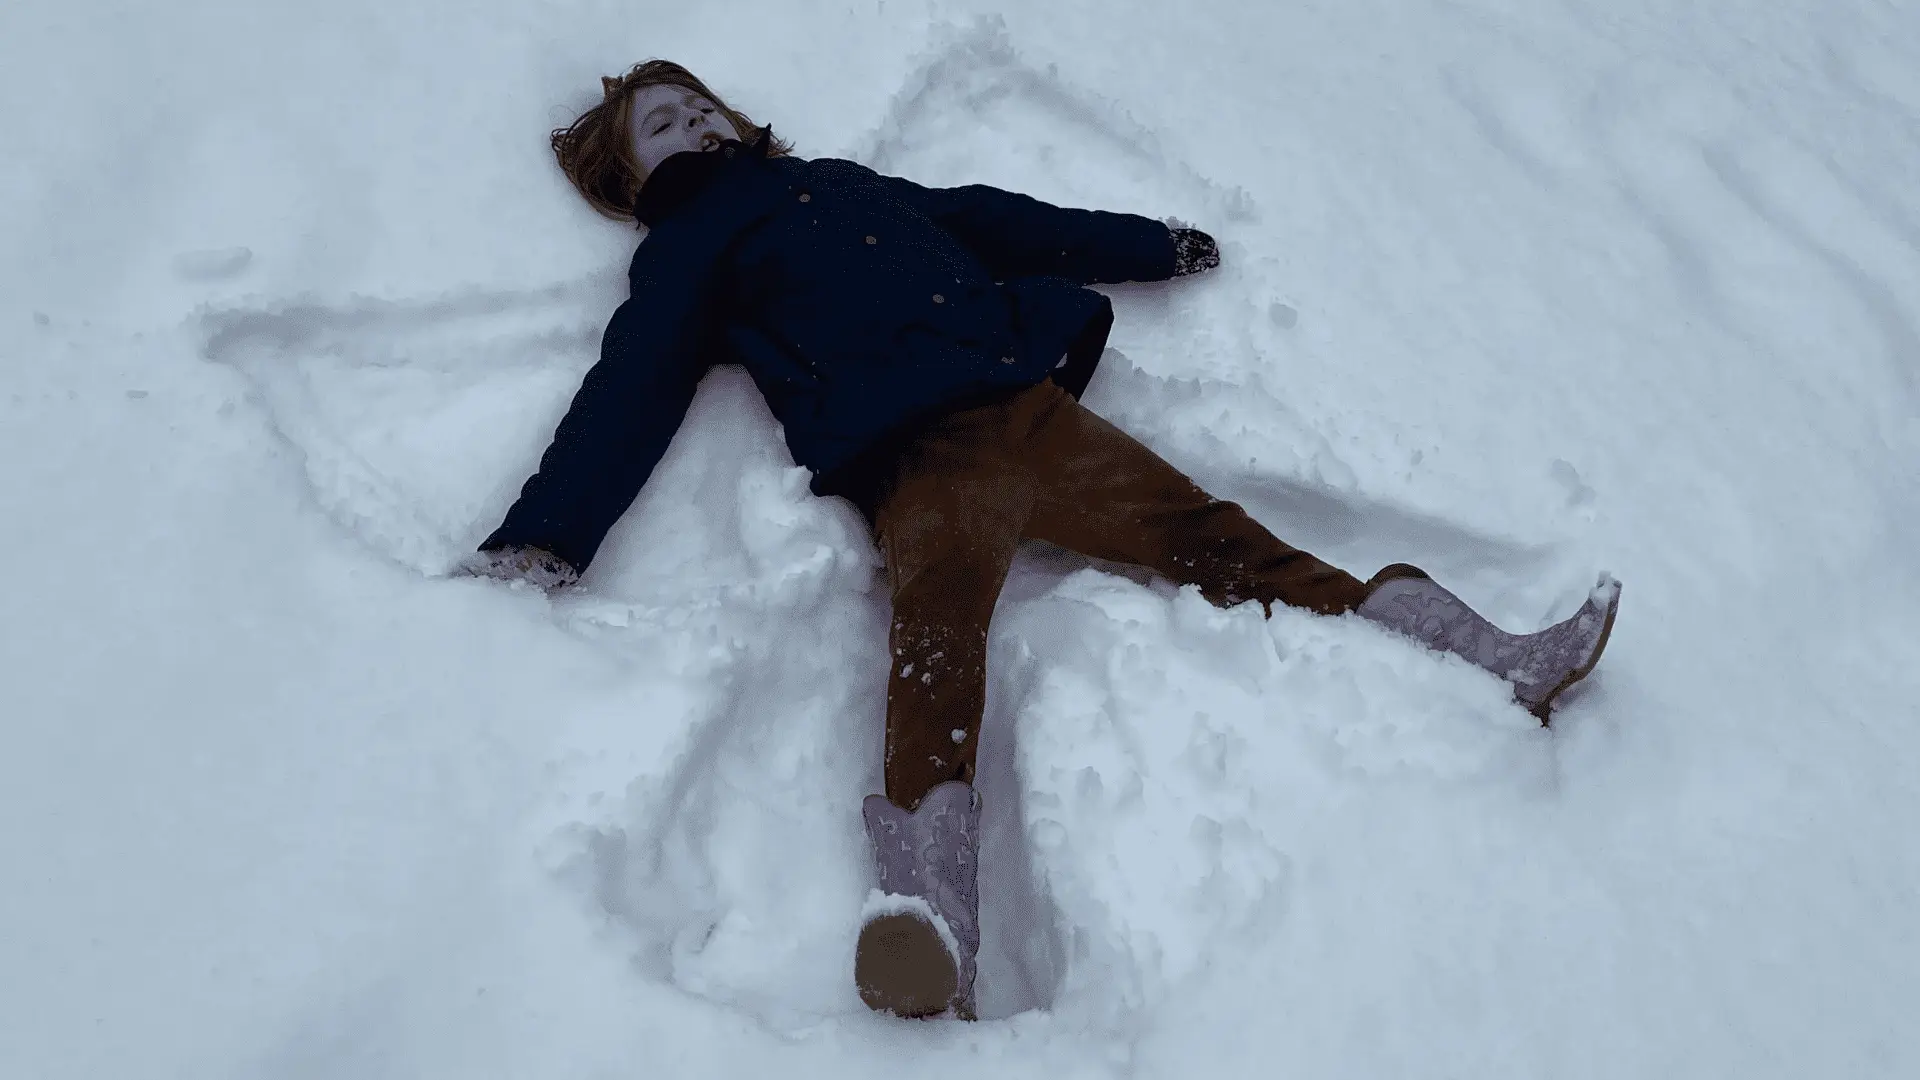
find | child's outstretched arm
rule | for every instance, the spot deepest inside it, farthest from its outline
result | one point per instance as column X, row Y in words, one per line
column 1018, row 236
column 621, row 420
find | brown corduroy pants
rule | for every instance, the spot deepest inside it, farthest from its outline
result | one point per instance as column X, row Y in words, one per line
column 964, row 493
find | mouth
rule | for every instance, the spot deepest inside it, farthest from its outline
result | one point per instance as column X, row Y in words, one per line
column 709, row 140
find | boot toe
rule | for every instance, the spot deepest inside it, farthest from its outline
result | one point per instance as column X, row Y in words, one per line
column 1589, row 629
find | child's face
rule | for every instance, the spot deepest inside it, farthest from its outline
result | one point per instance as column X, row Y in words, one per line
column 670, row 119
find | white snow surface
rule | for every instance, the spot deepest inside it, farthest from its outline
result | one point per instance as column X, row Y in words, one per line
column 1519, row 291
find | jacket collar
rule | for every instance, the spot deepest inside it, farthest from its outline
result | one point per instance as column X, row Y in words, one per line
column 679, row 178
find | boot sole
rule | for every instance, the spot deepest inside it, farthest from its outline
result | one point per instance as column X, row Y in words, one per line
column 1542, row 712
column 901, row 966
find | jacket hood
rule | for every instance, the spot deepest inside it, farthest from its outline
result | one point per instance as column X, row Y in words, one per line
column 679, row 178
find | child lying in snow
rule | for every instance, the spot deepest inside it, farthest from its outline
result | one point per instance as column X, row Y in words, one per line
column 924, row 349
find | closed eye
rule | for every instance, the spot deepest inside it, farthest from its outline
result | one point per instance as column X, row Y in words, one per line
column 662, row 128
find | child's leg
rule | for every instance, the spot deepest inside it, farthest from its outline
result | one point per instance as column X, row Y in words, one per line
column 948, row 527
column 948, row 523
column 1101, row 493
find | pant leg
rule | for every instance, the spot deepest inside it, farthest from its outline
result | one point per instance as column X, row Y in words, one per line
column 947, row 524
column 1101, row 493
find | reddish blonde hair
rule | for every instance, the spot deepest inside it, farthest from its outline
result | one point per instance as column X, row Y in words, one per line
column 596, row 150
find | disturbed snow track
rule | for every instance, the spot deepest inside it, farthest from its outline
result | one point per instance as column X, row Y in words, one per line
column 1151, row 767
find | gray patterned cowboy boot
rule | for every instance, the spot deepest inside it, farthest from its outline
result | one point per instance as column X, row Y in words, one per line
column 1539, row 665
column 921, row 928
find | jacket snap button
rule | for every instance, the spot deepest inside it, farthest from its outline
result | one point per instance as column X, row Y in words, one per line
column 871, row 240
column 938, row 299
column 1006, row 359
column 804, row 197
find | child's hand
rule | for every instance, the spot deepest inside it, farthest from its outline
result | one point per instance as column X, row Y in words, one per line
column 1193, row 251
column 541, row 569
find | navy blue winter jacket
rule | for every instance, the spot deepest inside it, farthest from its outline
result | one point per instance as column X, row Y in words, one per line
column 864, row 306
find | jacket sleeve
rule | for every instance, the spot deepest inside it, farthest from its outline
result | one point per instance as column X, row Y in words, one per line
column 621, row 420
column 1020, row 236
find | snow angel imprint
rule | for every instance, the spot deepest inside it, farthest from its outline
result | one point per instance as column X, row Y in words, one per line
column 924, row 349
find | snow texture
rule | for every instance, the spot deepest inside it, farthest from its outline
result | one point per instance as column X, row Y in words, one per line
column 293, row 296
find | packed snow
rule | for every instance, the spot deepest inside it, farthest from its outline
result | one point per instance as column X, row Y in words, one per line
column 1521, row 292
